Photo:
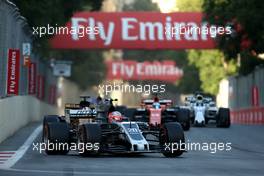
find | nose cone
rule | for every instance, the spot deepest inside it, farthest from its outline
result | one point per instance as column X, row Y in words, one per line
column 199, row 123
column 199, row 119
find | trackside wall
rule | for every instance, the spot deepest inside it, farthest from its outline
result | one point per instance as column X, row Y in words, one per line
column 244, row 95
column 36, row 91
column 18, row 111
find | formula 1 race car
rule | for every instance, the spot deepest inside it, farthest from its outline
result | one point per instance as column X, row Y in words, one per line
column 157, row 112
column 203, row 109
column 115, row 134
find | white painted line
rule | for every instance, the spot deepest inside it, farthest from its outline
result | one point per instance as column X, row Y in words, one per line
column 7, row 152
column 5, row 156
column 22, row 150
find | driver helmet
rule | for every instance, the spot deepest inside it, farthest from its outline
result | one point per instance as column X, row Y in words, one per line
column 156, row 105
column 99, row 99
column 199, row 97
column 115, row 116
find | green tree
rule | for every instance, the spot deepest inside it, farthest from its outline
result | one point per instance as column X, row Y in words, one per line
column 89, row 71
column 88, row 68
column 56, row 12
column 141, row 5
column 189, row 6
column 39, row 13
column 190, row 81
column 212, row 68
column 247, row 21
column 212, row 64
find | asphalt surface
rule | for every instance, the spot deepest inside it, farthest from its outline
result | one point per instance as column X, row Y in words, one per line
column 246, row 157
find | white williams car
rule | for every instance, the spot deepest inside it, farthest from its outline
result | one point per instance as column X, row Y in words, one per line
column 203, row 109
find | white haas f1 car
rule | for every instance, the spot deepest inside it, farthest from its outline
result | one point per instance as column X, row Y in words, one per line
column 114, row 134
column 203, row 109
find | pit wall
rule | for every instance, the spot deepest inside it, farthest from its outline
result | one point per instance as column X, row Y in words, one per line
column 18, row 111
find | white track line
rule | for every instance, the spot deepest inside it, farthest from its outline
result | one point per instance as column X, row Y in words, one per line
column 22, row 150
column 5, row 156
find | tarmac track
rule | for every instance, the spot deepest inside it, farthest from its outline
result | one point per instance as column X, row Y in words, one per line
column 246, row 157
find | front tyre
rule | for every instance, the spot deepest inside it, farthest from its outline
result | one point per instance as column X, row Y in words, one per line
column 89, row 136
column 56, row 138
column 223, row 118
column 171, row 135
column 49, row 119
column 183, row 116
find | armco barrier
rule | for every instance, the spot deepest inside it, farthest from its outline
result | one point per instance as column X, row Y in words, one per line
column 18, row 111
column 254, row 115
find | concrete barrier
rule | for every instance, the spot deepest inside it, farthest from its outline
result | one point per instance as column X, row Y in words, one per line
column 18, row 111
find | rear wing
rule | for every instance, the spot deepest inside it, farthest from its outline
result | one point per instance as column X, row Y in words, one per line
column 82, row 113
column 165, row 102
column 146, row 102
column 77, row 106
column 72, row 106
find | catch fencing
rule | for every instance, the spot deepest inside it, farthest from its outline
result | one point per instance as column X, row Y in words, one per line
column 14, row 33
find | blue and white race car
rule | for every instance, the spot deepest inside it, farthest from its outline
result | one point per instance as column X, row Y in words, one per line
column 203, row 109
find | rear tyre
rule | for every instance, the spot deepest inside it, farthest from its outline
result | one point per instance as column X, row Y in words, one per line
column 141, row 116
column 56, row 137
column 186, row 126
column 49, row 119
column 172, row 135
column 223, row 118
column 89, row 135
column 129, row 112
column 121, row 109
column 183, row 116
